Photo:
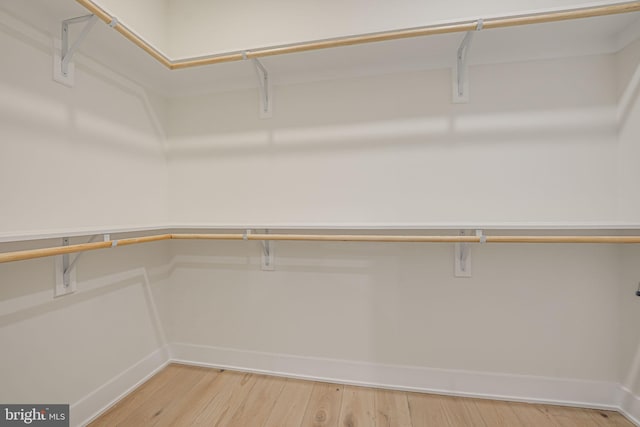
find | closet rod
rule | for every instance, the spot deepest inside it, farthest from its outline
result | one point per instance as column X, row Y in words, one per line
column 83, row 247
column 113, row 22
column 414, row 239
column 500, row 22
column 61, row 250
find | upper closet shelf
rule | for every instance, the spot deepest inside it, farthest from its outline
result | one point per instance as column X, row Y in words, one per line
column 542, row 38
column 250, row 52
column 585, row 228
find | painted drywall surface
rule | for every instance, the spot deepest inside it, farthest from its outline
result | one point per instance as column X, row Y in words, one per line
column 60, row 350
column 629, row 134
column 547, row 310
column 536, row 143
column 630, row 317
column 202, row 27
column 91, row 156
column 627, row 61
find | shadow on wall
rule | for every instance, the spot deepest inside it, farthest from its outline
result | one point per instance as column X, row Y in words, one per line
column 530, row 103
column 12, row 312
column 400, row 304
column 36, row 304
column 545, row 127
column 114, row 112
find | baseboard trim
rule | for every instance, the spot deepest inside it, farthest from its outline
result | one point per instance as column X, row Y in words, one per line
column 517, row 388
column 629, row 405
column 520, row 388
column 98, row 401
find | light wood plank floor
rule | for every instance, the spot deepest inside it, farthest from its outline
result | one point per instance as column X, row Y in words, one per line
column 182, row 395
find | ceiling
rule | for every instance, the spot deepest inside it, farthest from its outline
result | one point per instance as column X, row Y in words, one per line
column 569, row 38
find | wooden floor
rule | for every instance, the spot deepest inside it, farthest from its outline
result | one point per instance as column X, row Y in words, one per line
column 186, row 396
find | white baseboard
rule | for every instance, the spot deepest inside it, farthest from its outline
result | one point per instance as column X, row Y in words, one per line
column 629, row 405
column 569, row 392
column 520, row 388
column 98, row 401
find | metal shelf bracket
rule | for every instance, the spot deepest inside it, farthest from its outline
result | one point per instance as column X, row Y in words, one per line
column 460, row 71
column 65, row 269
column 268, row 257
column 264, row 86
column 63, row 68
column 462, row 256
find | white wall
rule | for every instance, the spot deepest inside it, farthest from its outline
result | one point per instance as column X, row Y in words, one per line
column 630, row 316
column 628, row 61
column 204, row 27
column 547, row 310
column 86, row 348
column 539, row 142
column 536, row 143
column 91, row 156
column 629, row 133
column 87, row 157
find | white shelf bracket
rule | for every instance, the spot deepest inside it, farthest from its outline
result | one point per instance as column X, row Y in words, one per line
column 267, row 255
column 63, row 68
column 65, row 274
column 462, row 258
column 65, row 269
column 264, row 86
column 461, row 70
column 462, row 255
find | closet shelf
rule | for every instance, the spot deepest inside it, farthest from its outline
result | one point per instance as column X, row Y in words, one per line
column 246, row 236
column 573, row 227
column 570, row 227
column 444, row 28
